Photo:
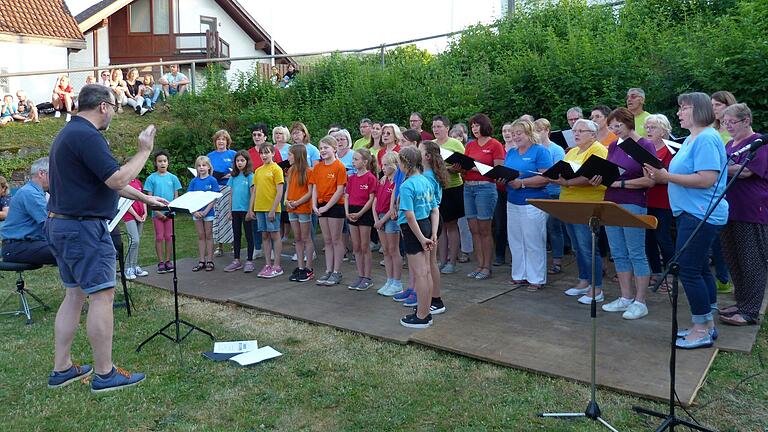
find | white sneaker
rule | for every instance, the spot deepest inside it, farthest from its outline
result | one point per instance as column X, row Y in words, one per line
column 129, row 274
column 619, row 305
column 138, row 271
column 258, row 253
column 57, row 114
column 294, row 258
column 635, row 311
column 69, row 117
column 578, row 291
column 585, row 299
column 391, row 290
column 143, row 111
column 384, row 287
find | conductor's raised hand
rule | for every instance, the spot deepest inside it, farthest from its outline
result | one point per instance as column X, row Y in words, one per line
column 147, row 139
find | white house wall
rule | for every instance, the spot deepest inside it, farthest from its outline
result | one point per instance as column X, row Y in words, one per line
column 32, row 57
column 240, row 44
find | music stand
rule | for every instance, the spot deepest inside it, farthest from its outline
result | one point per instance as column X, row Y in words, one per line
column 594, row 214
column 176, row 322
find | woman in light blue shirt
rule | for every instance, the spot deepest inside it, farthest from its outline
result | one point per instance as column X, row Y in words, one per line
column 695, row 181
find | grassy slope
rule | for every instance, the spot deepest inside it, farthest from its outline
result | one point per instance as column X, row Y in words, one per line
column 328, row 380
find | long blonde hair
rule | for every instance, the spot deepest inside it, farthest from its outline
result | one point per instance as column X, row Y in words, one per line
column 206, row 161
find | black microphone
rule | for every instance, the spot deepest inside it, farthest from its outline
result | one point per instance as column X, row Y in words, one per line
column 753, row 146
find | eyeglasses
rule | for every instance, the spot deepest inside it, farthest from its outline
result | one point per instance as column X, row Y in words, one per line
column 732, row 122
column 114, row 105
column 684, row 107
column 581, row 131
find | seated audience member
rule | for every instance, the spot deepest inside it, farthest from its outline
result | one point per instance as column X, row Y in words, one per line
column 7, row 110
column 26, row 111
column 745, row 236
column 289, row 76
column 90, row 79
column 150, row 91
column 105, row 80
column 174, row 82
column 117, row 84
column 134, row 87
column 5, row 199
column 23, row 237
column 63, row 97
column 274, row 76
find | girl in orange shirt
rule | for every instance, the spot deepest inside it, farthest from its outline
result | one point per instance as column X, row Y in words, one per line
column 298, row 202
column 328, row 178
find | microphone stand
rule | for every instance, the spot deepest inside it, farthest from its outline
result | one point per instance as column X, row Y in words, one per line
column 670, row 420
column 176, row 322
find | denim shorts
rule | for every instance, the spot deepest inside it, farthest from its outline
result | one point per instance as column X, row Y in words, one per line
column 391, row 226
column 301, row 217
column 265, row 225
column 84, row 253
column 480, row 200
column 204, row 218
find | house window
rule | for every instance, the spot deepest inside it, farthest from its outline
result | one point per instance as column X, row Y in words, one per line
column 162, row 16
column 140, row 14
column 176, row 21
column 207, row 24
column 4, row 87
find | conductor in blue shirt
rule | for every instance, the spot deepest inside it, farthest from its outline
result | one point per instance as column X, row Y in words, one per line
column 23, row 237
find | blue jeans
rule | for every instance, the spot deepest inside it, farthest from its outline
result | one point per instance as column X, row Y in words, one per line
column 480, row 201
column 555, row 233
column 660, row 240
column 697, row 279
column 628, row 245
column 581, row 239
column 721, row 268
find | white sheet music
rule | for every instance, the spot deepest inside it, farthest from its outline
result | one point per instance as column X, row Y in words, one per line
column 235, row 346
column 194, row 201
column 483, row 168
column 122, row 208
column 569, row 139
column 256, row 356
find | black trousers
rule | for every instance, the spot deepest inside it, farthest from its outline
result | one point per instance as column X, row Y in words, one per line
column 28, row 251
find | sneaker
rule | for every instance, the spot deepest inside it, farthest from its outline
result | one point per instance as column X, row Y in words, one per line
column 294, row 257
column 411, row 301
column 117, row 379
column 137, row 109
column 364, row 284
column 323, row 280
column 234, row 265
column 143, row 111
column 449, row 268
column 353, row 286
column 57, row 114
column 274, row 272
column 161, row 268
column 264, row 271
column 129, row 274
column 346, row 257
column 635, row 311
column 169, row 266
column 403, row 295
column 577, row 291
column 306, row 275
column 74, row 373
column 724, row 287
column 585, row 299
column 258, row 253
column 437, row 307
column 248, row 267
column 619, row 305
column 295, row 275
column 413, row 321
column 218, row 252
column 69, row 117
column 463, row 257
column 381, row 263
column 387, row 288
column 140, row 272
column 334, row 279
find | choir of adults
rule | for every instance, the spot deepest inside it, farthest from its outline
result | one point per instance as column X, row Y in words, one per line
column 351, row 187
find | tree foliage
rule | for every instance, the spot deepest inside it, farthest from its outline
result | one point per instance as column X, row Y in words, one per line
column 542, row 60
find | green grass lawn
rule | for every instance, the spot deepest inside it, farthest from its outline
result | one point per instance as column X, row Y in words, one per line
column 327, row 380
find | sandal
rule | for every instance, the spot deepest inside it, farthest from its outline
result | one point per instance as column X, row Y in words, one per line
column 664, row 287
column 738, row 319
column 200, row 265
column 534, row 287
column 481, row 275
column 555, row 269
column 728, row 310
column 209, row 266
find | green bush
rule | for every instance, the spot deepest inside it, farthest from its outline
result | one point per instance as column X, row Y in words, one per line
column 543, row 60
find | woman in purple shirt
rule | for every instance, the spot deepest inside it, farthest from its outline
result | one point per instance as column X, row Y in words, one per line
column 628, row 244
column 745, row 236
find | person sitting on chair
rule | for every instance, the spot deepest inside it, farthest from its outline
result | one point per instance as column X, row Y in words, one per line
column 23, row 237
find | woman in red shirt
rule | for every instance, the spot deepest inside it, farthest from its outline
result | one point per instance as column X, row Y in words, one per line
column 480, row 193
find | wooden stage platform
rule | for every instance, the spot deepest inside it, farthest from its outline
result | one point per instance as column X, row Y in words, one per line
column 544, row 332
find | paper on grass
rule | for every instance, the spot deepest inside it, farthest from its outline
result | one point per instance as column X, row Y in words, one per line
column 122, row 208
column 194, row 201
column 256, row 356
column 235, row 346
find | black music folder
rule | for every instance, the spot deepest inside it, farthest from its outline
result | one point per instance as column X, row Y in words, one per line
column 562, row 168
column 639, row 154
column 284, row 164
column 499, row 172
column 595, row 165
column 465, row 161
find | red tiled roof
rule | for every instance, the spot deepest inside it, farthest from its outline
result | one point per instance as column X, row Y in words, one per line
column 39, row 18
